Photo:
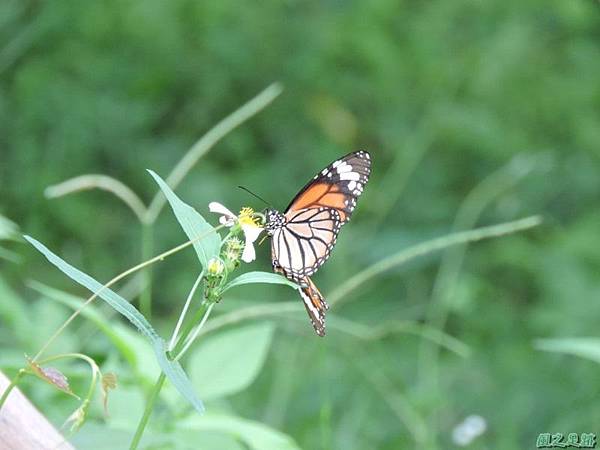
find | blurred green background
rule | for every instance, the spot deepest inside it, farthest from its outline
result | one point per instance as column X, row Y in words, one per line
column 475, row 113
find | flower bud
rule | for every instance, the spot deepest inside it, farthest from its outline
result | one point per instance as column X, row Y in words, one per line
column 215, row 267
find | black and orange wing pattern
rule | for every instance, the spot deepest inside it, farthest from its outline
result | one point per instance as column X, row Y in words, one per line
column 338, row 186
column 303, row 237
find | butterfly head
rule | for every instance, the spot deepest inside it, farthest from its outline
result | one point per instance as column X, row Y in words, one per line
column 275, row 220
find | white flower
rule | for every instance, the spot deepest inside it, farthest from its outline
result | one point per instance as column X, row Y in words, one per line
column 469, row 429
column 247, row 223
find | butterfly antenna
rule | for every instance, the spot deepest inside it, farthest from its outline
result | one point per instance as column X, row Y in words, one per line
column 255, row 195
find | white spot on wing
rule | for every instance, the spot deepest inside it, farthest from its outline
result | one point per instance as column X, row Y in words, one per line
column 350, row 176
column 344, row 167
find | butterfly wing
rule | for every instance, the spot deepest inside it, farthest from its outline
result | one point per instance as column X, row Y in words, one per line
column 304, row 243
column 338, row 186
column 312, row 222
column 314, row 217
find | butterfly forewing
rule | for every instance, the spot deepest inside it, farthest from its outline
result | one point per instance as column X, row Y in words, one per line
column 337, row 186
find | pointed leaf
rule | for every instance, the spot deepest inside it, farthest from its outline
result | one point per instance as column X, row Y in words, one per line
column 172, row 369
column 193, row 224
column 259, row 277
column 117, row 302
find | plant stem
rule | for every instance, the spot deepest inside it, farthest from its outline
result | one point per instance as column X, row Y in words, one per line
column 11, row 386
column 103, row 182
column 161, row 379
column 184, row 311
column 147, row 411
column 191, row 340
column 341, row 294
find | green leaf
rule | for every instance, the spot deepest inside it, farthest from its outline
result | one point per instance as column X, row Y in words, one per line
column 259, row 277
column 588, row 348
column 193, row 224
column 117, row 302
column 172, row 369
column 229, row 362
column 255, row 435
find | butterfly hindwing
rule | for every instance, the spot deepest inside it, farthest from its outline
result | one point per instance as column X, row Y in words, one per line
column 305, row 242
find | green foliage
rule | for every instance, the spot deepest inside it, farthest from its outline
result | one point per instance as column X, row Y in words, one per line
column 172, row 369
column 229, row 362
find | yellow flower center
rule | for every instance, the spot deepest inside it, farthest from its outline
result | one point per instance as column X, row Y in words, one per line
column 245, row 217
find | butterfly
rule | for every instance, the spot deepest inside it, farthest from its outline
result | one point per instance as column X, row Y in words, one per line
column 303, row 236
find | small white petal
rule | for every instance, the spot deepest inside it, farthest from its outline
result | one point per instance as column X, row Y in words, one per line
column 251, row 233
column 218, row 208
column 227, row 221
column 248, row 255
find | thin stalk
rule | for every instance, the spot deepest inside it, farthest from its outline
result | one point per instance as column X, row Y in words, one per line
column 11, row 386
column 191, row 340
column 147, row 411
column 184, row 311
column 103, row 182
column 342, row 293
column 161, row 380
